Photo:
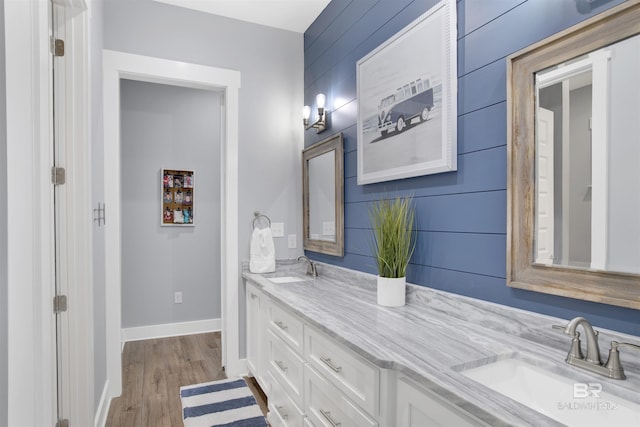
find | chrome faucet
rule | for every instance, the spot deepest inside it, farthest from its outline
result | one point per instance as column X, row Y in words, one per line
column 592, row 362
column 311, row 269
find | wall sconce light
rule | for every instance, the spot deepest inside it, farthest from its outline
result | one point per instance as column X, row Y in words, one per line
column 320, row 124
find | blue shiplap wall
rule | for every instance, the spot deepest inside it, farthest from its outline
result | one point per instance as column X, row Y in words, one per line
column 461, row 215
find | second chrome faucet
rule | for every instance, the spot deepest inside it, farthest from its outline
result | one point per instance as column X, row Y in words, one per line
column 312, row 270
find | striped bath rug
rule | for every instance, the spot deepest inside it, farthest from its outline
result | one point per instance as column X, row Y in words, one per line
column 220, row 403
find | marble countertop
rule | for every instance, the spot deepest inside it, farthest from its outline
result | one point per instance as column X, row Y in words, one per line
column 436, row 335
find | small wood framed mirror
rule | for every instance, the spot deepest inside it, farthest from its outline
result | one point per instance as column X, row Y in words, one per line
column 323, row 196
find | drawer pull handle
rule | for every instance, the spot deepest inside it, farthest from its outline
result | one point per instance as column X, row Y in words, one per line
column 327, row 361
column 281, row 326
column 329, row 418
column 281, row 365
column 279, row 411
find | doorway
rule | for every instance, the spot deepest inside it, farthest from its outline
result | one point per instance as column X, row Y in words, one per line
column 118, row 66
column 170, row 266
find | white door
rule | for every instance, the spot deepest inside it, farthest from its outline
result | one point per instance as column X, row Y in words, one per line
column 31, row 240
column 544, row 188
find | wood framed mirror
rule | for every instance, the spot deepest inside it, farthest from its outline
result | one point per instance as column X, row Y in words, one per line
column 546, row 84
column 323, row 196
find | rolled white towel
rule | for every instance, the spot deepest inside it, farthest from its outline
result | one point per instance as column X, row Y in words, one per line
column 262, row 251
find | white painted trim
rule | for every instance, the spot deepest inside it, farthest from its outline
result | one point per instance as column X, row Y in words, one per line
column 170, row 330
column 600, row 160
column 102, row 411
column 119, row 65
column 31, row 345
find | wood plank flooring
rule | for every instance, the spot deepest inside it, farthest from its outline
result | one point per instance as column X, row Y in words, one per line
column 153, row 372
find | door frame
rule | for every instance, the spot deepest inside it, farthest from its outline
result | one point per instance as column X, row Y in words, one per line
column 30, row 234
column 120, row 65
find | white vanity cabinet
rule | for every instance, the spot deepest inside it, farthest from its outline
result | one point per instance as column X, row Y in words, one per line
column 313, row 380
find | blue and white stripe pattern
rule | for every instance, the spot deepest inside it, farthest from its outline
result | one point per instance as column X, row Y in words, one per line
column 225, row 403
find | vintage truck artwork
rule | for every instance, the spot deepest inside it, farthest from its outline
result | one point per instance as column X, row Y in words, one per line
column 413, row 100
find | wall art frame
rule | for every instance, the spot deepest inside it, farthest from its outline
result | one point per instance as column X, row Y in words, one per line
column 407, row 100
column 177, row 187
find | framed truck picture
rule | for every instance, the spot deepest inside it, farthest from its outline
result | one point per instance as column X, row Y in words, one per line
column 407, row 109
column 177, row 188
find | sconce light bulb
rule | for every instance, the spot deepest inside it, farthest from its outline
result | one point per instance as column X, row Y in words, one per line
column 320, row 100
column 306, row 112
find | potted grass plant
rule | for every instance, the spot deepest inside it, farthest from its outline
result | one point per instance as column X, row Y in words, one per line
column 393, row 244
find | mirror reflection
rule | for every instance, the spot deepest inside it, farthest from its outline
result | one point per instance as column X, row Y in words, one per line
column 323, row 196
column 587, row 158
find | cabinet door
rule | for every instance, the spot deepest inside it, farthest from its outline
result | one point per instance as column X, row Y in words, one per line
column 255, row 332
column 418, row 407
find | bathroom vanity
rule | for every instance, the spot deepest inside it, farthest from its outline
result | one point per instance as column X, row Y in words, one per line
column 326, row 354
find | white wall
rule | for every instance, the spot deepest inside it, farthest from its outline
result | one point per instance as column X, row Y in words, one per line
column 170, row 127
column 270, row 129
column 3, row 229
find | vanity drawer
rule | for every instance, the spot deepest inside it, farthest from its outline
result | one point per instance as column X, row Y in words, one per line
column 287, row 326
column 286, row 367
column 325, row 406
column 282, row 410
column 350, row 373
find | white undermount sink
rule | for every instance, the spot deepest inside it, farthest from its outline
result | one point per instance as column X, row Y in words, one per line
column 286, row 279
column 565, row 400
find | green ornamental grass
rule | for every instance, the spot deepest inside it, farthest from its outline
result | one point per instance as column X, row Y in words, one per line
column 393, row 235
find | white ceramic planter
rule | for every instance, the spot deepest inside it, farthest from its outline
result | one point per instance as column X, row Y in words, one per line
column 391, row 291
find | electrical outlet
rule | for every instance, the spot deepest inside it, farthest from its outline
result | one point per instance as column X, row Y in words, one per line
column 292, row 241
column 277, row 229
column 177, row 298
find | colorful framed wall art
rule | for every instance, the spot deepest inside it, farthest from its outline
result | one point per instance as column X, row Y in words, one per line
column 177, row 191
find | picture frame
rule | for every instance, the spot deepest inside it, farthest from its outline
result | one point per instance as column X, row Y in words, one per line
column 177, row 187
column 407, row 101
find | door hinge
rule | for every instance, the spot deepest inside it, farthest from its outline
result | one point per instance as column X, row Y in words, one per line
column 57, row 47
column 62, row 423
column 58, row 175
column 59, row 304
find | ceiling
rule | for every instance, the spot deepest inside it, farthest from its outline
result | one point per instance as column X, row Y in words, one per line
column 292, row 15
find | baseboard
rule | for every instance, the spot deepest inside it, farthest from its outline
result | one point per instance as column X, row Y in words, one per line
column 170, row 330
column 103, row 407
